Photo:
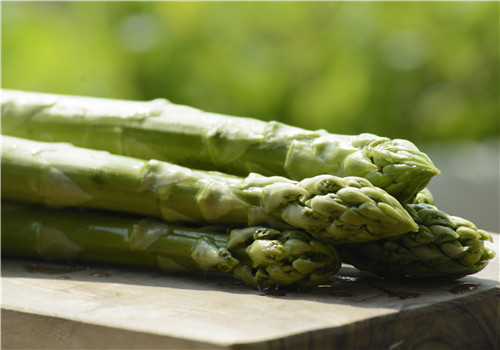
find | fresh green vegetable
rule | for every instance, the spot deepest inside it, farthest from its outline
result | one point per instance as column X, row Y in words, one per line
column 259, row 256
column 340, row 210
column 424, row 196
column 193, row 138
column 444, row 246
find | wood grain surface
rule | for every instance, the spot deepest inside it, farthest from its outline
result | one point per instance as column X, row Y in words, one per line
column 53, row 306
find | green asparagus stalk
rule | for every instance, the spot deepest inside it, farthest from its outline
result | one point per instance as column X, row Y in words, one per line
column 186, row 136
column 336, row 209
column 259, row 256
column 444, row 246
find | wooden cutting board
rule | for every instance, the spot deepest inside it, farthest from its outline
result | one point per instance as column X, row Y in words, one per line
column 53, row 306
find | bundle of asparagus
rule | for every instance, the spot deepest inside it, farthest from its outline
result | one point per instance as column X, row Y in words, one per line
column 304, row 195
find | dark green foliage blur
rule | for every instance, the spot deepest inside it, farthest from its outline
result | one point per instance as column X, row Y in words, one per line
column 423, row 71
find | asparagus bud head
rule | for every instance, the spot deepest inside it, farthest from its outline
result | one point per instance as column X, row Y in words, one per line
column 283, row 258
column 444, row 246
column 397, row 165
column 347, row 209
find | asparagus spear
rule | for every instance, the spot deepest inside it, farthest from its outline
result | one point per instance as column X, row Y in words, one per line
column 259, row 256
column 186, row 136
column 340, row 210
column 444, row 246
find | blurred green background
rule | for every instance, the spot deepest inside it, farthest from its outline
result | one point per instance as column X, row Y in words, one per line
column 424, row 71
column 414, row 70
